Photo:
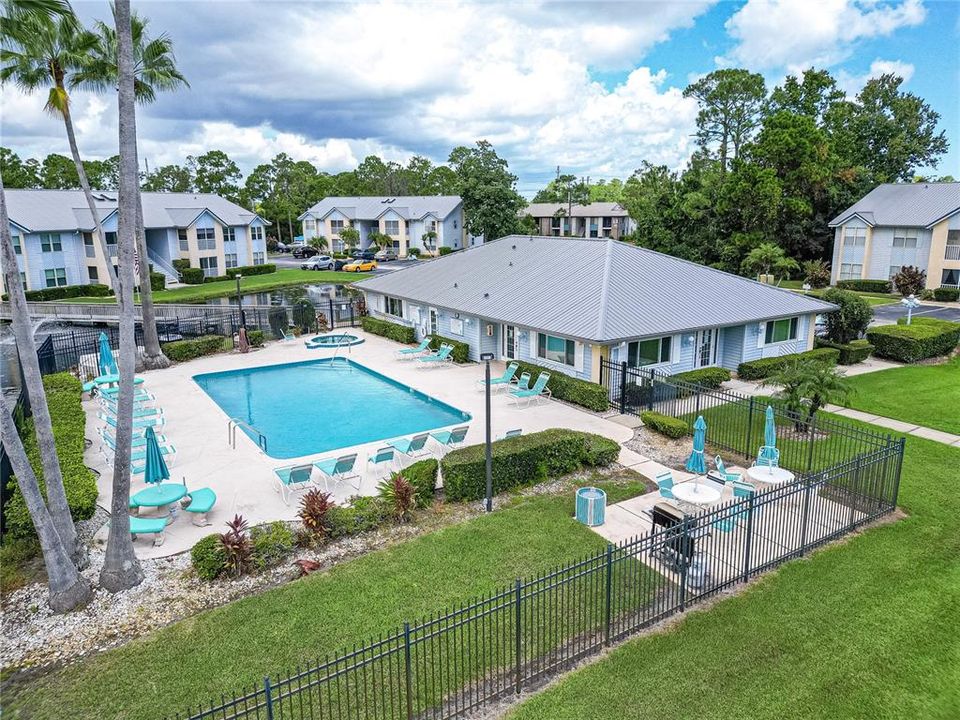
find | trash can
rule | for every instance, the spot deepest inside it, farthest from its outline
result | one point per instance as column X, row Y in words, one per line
column 591, row 506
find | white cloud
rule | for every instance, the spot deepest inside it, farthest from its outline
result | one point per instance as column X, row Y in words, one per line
column 797, row 34
column 851, row 84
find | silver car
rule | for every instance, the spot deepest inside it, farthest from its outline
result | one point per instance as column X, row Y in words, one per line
column 385, row 255
column 318, row 262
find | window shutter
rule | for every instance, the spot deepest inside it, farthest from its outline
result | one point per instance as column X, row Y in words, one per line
column 578, row 350
column 676, row 343
column 762, row 334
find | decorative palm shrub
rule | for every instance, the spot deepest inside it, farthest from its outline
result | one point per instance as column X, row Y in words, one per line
column 400, row 495
column 314, row 512
column 237, row 548
column 816, row 273
column 808, row 386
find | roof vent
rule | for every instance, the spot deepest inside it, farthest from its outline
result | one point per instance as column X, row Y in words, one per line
column 513, row 247
column 486, row 295
column 511, row 263
column 455, row 285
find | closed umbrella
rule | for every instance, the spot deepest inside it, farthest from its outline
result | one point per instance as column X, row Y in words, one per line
column 108, row 366
column 769, row 439
column 156, row 467
column 697, row 463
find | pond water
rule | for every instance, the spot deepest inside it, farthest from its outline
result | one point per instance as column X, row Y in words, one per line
column 318, row 295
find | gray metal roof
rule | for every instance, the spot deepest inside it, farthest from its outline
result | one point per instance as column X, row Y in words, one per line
column 905, row 204
column 595, row 209
column 596, row 290
column 48, row 210
column 409, row 207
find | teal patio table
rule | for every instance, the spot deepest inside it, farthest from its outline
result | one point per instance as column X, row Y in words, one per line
column 160, row 495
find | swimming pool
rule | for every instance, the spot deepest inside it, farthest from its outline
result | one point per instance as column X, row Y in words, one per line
column 316, row 406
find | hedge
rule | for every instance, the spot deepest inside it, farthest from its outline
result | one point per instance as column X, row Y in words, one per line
column 445, row 250
column 208, row 557
column 708, row 377
column 67, row 291
column 423, row 476
column 182, row 350
column 664, row 424
column 247, row 270
column 764, row 368
column 568, row 388
column 850, row 353
column 68, row 420
column 923, row 338
column 460, row 353
column 191, row 276
column 393, row 331
column 216, row 279
column 181, row 264
column 362, row 513
column 874, row 286
column 523, row 461
column 158, row 281
column 946, row 294
column 255, row 338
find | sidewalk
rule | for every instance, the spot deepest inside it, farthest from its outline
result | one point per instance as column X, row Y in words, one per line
column 897, row 425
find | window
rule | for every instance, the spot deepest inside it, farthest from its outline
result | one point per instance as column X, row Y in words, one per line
column 93, row 274
column 431, row 225
column 337, row 245
column 258, row 258
column 230, row 260
column 950, row 278
column 556, row 349
column 229, row 234
column 781, row 330
column 111, row 238
column 336, row 226
column 56, row 277
column 851, row 271
column 16, row 245
column 88, row 249
column 953, row 245
column 904, row 237
column 184, row 241
column 206, row 239
column 393, row 306
column 649, row 352
column 556, row 225
column 50, row 242
column 454, row 224
column 256, row 232
column 309, row 227
column 391, row 227
column 209, row 266
column 855, row 236
column 23, row 279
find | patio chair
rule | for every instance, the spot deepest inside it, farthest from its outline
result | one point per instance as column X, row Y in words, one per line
column 502, row 381
column 721, row 474
column 511, row 434
column 138, row 423
column 665, row 483
column 292, row 478
column 410, row 353
column 450, row 439
column 139, row 394
column 339, row 469
column 523, row 383
column 442, row 356
column 768, row 456
column 148, row 526
column 201, row 502
column 382, row 460
column 411, row 447
column 539, row 390
column 139, row 413
column 138, row 459
column 138, row 440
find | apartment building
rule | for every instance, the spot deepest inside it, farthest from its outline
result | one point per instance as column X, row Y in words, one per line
column 593, row 220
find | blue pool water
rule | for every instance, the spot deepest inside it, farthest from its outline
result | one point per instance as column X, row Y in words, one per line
column 313, row 407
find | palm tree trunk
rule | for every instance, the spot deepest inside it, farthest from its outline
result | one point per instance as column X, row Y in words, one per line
column 68, row 589
column 121, row 569
column 153, row 357
column 59, row 509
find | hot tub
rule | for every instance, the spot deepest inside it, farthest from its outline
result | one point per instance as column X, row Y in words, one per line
column 333, row 341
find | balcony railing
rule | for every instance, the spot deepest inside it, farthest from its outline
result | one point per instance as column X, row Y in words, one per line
column 952, row 252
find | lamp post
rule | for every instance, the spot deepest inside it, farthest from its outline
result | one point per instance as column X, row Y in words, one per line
column 910, row 302
column 487, row 357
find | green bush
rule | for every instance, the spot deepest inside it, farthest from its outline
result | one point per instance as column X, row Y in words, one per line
column 568, row 388
column 158, row 281
column 271, row 543
column 208, row 558
column 180, row 263
column 183, row 350
column 191, row 276
column 945, row 294
column 460, row 353
column 851, row 319
column 423, row 476
column 393, row 331
column 923, row 338
column 875, row 286
column 68, row 421
column 216, row 279
column 360, row 515
column 709, row 377
column 446, row 250
column 664, row 424
column 413, row 252
column 255, row 338
column 766, row 367
column 850, row 353
column 600, row 451
column 67, row 291
column 520, row 461
column 247, row 270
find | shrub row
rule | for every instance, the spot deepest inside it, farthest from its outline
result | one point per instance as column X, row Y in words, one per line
column 191, row 276
column 182, row 350
column 445, row 250
column 850, row 353
column 946, row 294
column 359, row 515
column 568, row 388
column 269, row 544
column 158, row 281
column 874, row 286
column 393, row 331
column 923, row 338
column 460, row 353
column 709, row 377
column 664, row 424
column 246, row 270
column 523, row 461
column 423, row 476
column 255, row 338
column 67, row 291
column 180, row 263
column 68, row 420
column 764, row 368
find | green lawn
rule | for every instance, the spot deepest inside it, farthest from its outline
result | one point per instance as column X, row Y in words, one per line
column 235, row 646
column 867, row 628
column 923, row 394
column 872, row 298
column 284, row 277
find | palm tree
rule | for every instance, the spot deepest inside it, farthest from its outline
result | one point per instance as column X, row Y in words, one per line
column 121, row 569
column 43, row 51
column 319, row 242
column 806, row 386
column 155, row 70
column 768, row 258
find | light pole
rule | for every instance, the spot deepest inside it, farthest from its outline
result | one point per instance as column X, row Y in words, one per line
column 910, row 302
column 487, row 357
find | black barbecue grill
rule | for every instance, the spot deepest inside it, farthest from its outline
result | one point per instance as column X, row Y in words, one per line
column 677, row 548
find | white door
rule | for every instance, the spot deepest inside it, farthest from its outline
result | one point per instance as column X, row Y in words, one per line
column 705, row 350
column 434, row 325
column 509, row 342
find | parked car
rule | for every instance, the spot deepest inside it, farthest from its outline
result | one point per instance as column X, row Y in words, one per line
column 283, row 247
column 318, row 262
column 363, row 255
column 339, row 263
column 360, row 266
column 385, row 255
column 304, row 251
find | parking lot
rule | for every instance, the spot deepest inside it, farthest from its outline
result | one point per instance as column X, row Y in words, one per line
column 888, row 314
column 284, row 260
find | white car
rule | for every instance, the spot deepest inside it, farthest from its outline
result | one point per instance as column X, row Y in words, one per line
column 318, row 262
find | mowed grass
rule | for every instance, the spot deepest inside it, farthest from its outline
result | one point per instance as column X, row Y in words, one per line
column 233, row 647
column 867, row 628
column 927, row 395
column 872, row 298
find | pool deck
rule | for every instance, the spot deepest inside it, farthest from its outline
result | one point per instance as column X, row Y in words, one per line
column 243, row 477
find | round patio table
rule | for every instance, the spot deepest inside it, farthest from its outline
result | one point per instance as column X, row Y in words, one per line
column 772, row 475
column 696, row 493
column 160, row 495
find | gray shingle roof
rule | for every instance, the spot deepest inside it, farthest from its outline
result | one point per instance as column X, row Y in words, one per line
column 595, row 290
column 595, row 209
column 409, row 207
column 905, row 204
column 48, row 210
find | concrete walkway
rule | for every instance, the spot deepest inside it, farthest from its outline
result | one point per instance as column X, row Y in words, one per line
column 897, row 425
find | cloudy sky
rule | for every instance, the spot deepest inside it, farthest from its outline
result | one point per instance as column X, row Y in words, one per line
column 595, row 87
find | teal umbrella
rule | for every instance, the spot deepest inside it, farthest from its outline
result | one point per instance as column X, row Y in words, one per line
column 156, row 469
column 697, row 463
column 108, row 366
column 769, row 429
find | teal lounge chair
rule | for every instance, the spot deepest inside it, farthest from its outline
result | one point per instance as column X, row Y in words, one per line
column 138, row 423
column 442, row 356
column 502, row 381
column 201, row 502
column 538, row 390
column 149, row 526
column 339, row 469
column 409, row 353
column 523, row 383
column 664, row 483
column 721, row 474
column 139, row 413
column 382, row 460
column 450, row 439
column 138, row 439
column 511, row 434
column 292, row 478
column 114, row 392
column 137, row 459
column 411, row 447
column 768, row 456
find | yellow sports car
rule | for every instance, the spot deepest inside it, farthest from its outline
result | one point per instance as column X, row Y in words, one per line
column 360, row 266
